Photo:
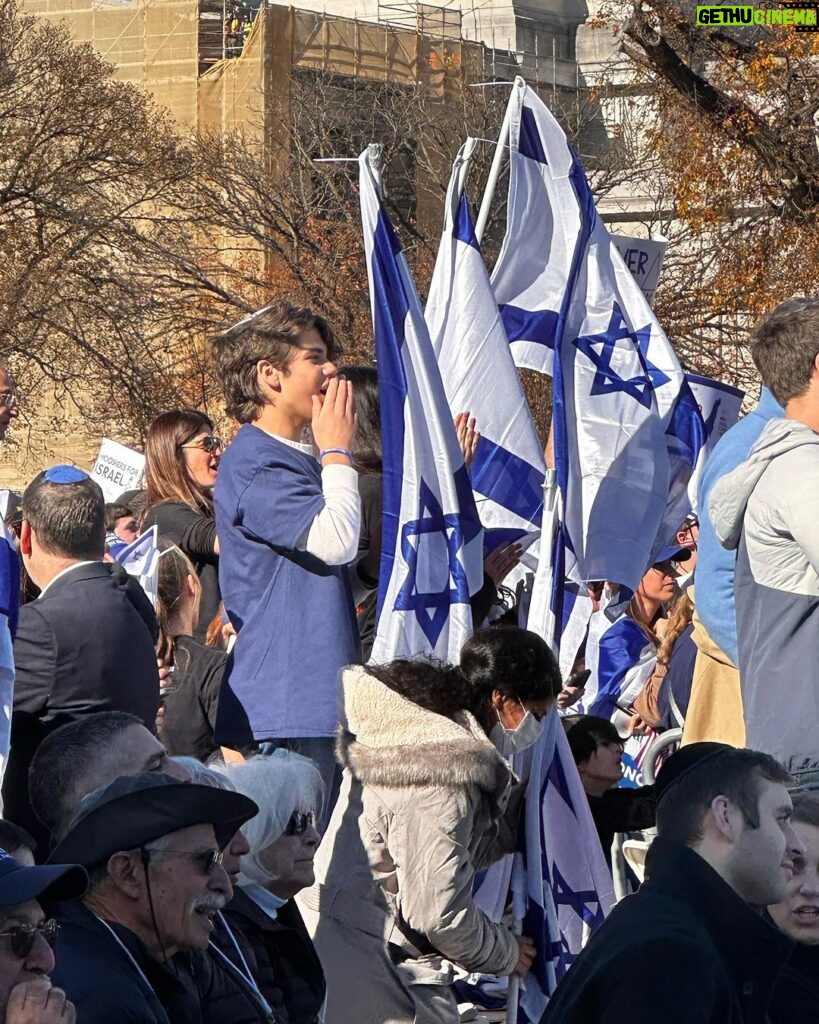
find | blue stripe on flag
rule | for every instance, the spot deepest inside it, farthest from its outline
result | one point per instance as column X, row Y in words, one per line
column 464, row 231
column 539, row 325
column 508, row 480
column 390, row 309
column 686, row 427
column 9, row 580
column 620, row 648
column 529, row 143
column 494, row 537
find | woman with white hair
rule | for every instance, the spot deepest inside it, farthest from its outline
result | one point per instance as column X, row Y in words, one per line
column 283, row 840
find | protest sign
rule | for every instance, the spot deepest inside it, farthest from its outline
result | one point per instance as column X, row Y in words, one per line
column 644, row 258
column 117, row 468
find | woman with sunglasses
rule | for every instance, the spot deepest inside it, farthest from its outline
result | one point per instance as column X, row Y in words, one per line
column 283, row 840
column 181, row 461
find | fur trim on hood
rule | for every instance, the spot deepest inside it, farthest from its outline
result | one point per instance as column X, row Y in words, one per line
column 730, row 494
column 387, row 740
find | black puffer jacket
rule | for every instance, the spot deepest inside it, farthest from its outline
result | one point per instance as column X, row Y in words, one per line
column 282, row 958
column 225, row 994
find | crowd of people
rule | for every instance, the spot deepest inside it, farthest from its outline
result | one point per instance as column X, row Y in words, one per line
column 216, row 810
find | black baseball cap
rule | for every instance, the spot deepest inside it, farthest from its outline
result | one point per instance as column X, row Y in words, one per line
column 685, row 760
column 54, row 883
column 136, row 809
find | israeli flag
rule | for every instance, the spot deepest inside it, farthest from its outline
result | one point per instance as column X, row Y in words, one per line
column 621, row 659
column 562, row 888
column 542, row 228
column 432, row 546
column 622, row 409
column 141, row 559
column 479, row 375
column 9, row 607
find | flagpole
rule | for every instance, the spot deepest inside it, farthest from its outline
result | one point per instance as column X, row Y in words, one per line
column 494, row 172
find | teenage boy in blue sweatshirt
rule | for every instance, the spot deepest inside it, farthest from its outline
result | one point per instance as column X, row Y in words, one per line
column 288, row 517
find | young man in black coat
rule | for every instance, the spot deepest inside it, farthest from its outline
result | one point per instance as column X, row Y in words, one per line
column 692, row 947
column 87, row 643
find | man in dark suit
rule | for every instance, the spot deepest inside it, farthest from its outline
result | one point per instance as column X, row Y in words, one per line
column 87, row 643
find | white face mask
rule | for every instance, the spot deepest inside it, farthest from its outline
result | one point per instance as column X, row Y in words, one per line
column 512, row 741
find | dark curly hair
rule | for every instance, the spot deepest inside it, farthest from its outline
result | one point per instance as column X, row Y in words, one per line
column 429, row 684
column 514, row 661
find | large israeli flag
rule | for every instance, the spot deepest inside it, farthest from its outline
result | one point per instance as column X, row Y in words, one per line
column 479, row 375
column 432, row 546
column 624, row 419
column 9, row 607
column 562, row 888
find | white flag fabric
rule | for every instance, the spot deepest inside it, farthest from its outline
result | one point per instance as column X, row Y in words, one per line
column 561, row 885
column 432, row 543
column 626, row 427
column 9, row 606
column 479, row 375
column 141, row 559
column 543, row 225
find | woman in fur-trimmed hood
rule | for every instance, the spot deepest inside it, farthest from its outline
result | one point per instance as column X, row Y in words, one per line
column 423, row 806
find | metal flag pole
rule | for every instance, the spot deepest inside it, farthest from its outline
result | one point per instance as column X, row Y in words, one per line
column 494, row 170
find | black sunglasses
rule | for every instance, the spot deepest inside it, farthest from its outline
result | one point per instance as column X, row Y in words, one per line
column 299, row 821
column 209, row 443
column 204, row 860
column 23, row 936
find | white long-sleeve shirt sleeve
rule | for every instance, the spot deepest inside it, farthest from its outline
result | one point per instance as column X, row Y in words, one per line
column 333, row 534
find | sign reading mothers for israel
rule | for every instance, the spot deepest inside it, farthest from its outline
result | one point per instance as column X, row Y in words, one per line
column 117, row 468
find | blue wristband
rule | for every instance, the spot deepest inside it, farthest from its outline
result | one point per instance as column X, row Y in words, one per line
column 336, row 451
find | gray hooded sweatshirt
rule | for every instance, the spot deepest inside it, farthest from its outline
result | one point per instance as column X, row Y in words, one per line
column 767, row 509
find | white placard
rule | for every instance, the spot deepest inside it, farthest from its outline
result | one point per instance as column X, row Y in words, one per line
column 644, row 258
column 117, row 468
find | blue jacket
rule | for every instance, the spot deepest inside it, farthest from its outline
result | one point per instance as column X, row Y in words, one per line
column 715, row 564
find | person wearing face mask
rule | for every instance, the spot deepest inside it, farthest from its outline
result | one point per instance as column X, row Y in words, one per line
column 423, row 807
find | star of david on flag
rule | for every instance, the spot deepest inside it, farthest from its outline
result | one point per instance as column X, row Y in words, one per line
column 626, row 429
column 432, row 540
column 562, row 889
column 601, row 348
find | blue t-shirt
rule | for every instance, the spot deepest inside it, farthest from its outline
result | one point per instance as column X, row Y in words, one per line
column 294, row 614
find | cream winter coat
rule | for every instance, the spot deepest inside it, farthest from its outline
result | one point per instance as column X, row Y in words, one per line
column 420, row 810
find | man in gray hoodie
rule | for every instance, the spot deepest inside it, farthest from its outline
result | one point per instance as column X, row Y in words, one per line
column 767, row 509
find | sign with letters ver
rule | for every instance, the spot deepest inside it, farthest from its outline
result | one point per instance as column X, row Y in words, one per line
column 117, row 468
column 644, row 258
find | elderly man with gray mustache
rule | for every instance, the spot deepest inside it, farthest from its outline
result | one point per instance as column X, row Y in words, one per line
column 151, row 845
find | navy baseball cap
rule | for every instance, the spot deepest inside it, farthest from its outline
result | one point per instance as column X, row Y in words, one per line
column 136, row 809
column 673, row 553
column 54, row 883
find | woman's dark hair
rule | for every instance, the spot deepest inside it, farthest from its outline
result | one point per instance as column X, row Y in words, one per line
column 429, row 684
column 514, row 661
column 585, row 733
column 367, row 449
column 174, row 569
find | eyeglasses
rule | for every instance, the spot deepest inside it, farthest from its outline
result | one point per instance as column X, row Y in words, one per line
column 23, row 936
column 668, row 568
column 10, row 400
column 204, row 860
column 299, row 821
column 209, row 443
